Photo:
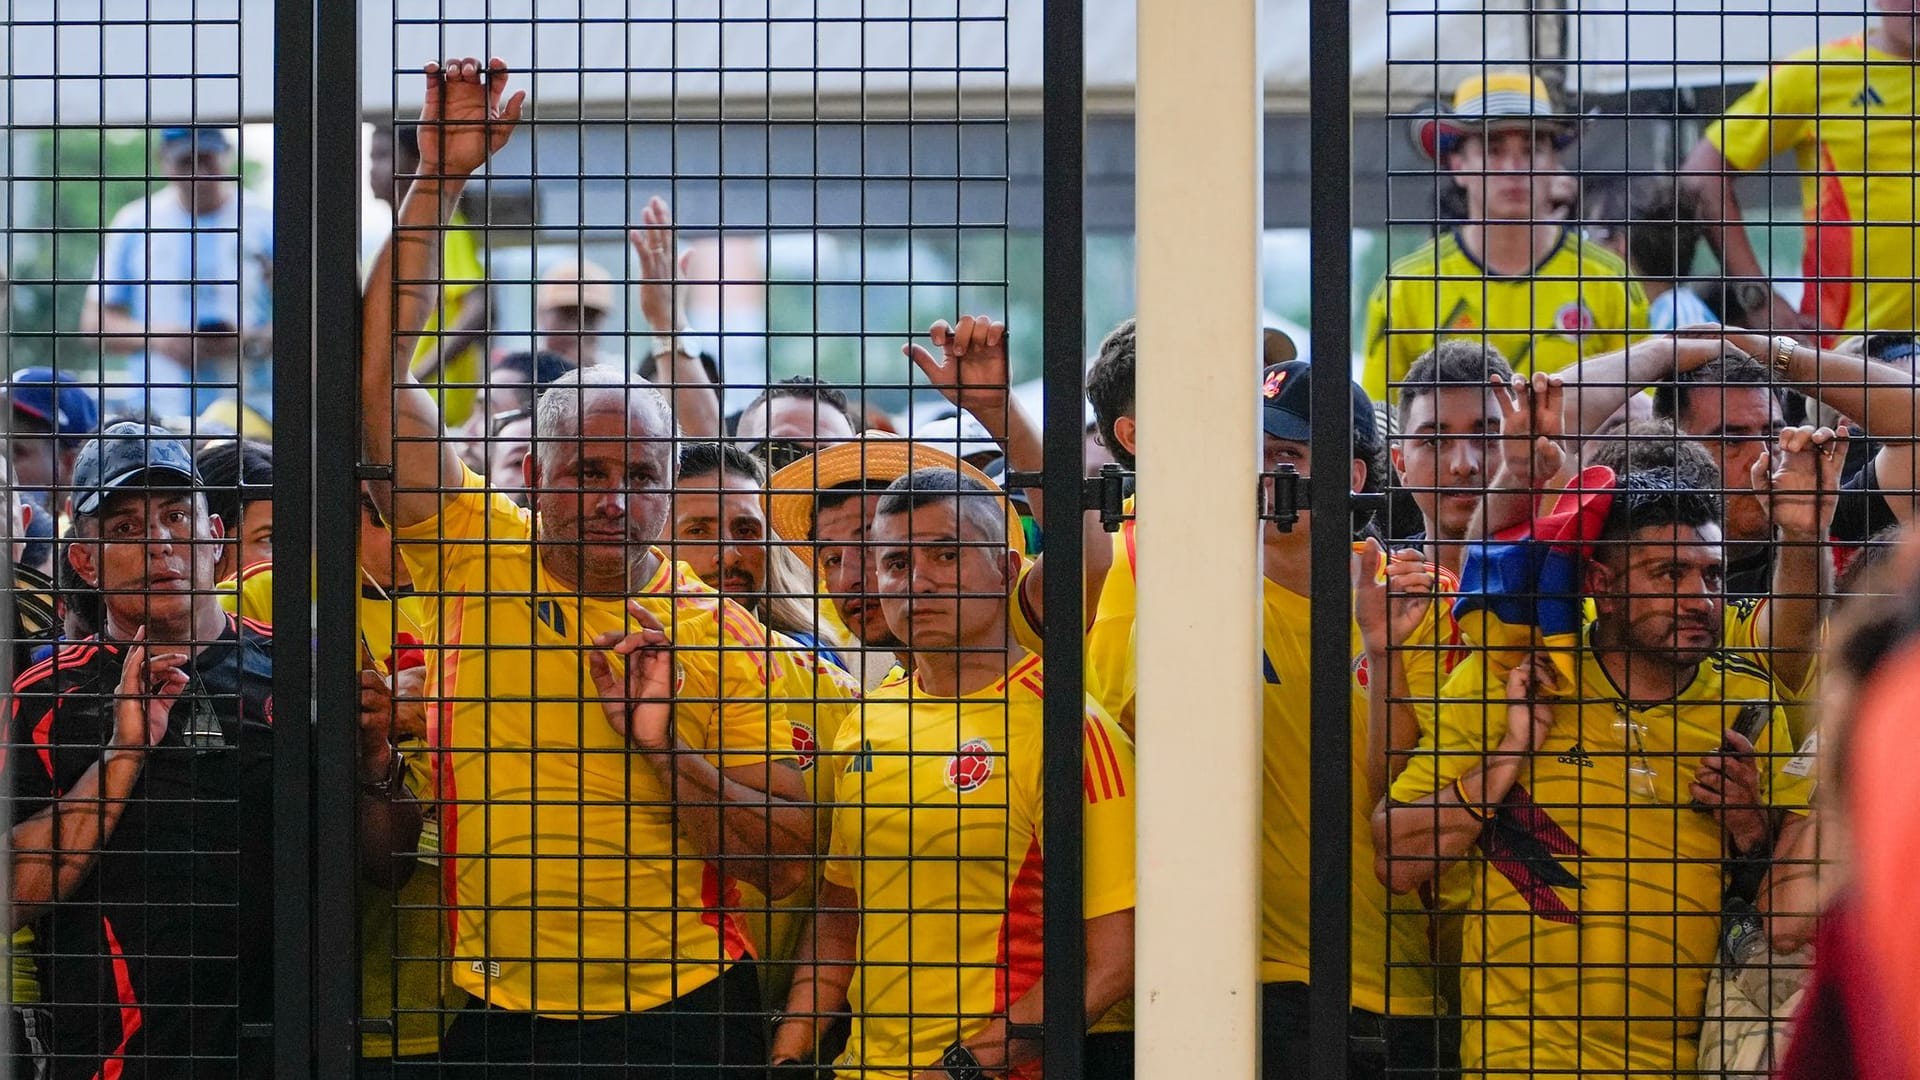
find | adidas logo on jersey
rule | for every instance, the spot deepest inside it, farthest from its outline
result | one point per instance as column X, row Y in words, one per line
column 1576, row 755
column 862, row 761
column 1869, row 98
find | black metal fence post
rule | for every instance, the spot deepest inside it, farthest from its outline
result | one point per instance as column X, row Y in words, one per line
column 1063, row 145
column 1331, row 838
column 336, row 445
column 293, row 683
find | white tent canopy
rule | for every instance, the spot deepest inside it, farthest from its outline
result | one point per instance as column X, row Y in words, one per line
column 168, row 61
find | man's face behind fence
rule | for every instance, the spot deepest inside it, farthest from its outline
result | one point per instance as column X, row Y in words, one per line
column 605, row 490
column 148, row 552
column 943, row 581
column 1662, row 591
column 846, row 568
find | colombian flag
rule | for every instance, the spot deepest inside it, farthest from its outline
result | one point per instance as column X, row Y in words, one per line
column 1521, row 590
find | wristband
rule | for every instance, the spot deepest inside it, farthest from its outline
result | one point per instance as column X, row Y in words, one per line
column 1783, row 349
column 1460, row 792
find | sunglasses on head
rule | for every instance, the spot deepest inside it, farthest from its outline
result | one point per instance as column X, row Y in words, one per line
column 777, row 454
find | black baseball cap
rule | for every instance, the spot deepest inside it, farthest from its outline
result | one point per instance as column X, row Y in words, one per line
column 129, row 455
column 1286, row 392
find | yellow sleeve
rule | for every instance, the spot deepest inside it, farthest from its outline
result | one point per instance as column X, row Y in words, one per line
column 1109, row 649
column 751, row 722
column 471, row 515
column 1460, row 734
column 1375, row 375
column 1027, row 630
column 1786, row 773
column 1774, row 115
column 1107, row 783
column 842, row 862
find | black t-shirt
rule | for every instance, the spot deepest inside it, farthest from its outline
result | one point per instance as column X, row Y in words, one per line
column 161, row 951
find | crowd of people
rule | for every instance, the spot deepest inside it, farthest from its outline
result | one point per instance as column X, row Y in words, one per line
column 697, row 744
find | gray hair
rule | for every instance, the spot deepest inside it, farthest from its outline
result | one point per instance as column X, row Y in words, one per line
column 980, row 506
column 556, row 415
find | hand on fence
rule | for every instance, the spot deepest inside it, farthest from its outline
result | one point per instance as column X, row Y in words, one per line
column 971, row 370
column 1531, row 427
column 1390, row 608
column 149, row 686
column 1805, row 483
column 376, row 726
column 1529, row 708
column 638, row 701
column 463, row 122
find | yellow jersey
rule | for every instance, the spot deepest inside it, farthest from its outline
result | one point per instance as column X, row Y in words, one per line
column 1595, row 911
column 937, row 827
column 461, row 272
column 572, row 891
column 1847, row 113
column 1110, row 677
column 249, row 592
column 820, row 697
column 1578, row 302
column 1391, row 973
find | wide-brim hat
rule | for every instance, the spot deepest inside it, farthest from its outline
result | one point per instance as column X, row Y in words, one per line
column 1498, row 99
column 877, row 458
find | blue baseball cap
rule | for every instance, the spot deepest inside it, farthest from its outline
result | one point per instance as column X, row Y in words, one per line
column 129, row 455
column 54, row 398
column 178, row 140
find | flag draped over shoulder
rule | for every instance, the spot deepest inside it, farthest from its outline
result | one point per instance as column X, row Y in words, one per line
column 1521, row 590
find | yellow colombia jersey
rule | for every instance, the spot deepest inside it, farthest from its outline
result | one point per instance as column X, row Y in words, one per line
column 820, row 696
column 461, row 273
column 1109, row 648
column 249, row 592
column 572, row 890
column 1596, row 896
column 1579, row 302
column 1027, row 628
column 403, row 939
column 1846, row 112
column 1390, row 974
column 936, row 826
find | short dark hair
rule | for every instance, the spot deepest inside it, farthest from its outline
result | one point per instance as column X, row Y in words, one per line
column 974, row 502
column 1640, row 446
column 233, row 473
column 701, row 458
column 841, row 494
column 1110, row 387
column 1653, row 498
column 807, row 388
column 1661, row 219
column 1452, row 362
column 1732, row 368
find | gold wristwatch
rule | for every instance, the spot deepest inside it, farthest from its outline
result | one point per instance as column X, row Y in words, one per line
column 1783, row 349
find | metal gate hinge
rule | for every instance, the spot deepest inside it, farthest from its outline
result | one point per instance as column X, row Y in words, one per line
column 1026, row 1032
column 364, row 470
column 1284, row 495
column 1106, row 492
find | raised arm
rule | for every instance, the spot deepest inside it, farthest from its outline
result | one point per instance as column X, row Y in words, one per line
column 822, row 973
column 1710, row 177
column 1800, row 503
column 972, row 373
column 461, row 124
column 1388, row 612
column 696, row 400
column 1599, row 387
column 1532, row 459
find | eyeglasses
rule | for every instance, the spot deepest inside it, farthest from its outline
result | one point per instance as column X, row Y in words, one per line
column 500, row 420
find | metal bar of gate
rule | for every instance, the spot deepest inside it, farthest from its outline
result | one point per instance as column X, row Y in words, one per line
column 336, row 427
column 1063, row 286
column 1198, row 629
column 1330, row 628
column 293, row 169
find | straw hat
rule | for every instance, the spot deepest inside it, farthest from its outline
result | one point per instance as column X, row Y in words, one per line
column 1498, row 99
column 877, row 457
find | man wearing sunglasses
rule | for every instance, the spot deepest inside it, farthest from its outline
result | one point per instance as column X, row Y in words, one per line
column 1595, row 797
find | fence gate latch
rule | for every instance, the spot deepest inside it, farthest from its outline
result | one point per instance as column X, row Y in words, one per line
column 1284, row 495
column 1105, row 492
